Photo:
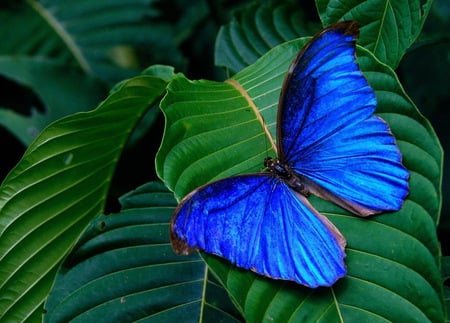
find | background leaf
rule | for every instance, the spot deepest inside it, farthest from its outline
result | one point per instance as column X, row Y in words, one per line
column 424, row 74
column 124, row 265
column 68, row 54
column 257, row 28
column 204, row 141
column 388, row 28
column 102, row 38
column 59, row 185
column 57, row 88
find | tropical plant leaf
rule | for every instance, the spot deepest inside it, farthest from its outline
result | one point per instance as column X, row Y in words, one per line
column 447, row 302
column 185, row 109
column 60, row 184
column 100, row 37
column 57, row 88
column 124, row 265
column 216, row 130
column 257, row 28
column 388, row 28
column 445, row 269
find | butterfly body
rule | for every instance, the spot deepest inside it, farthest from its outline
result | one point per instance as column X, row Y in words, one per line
column 284, row 172
column 329, row 144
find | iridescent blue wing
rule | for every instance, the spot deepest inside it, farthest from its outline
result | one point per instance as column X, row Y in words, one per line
column 258, row 223
column 328, row 133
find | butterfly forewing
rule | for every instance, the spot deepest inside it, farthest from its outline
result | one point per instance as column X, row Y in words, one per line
column 328, row 132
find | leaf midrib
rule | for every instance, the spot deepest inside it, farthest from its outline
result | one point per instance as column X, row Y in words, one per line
column 67, row 39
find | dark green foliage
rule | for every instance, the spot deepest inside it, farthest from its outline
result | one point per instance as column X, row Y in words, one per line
column 62, row 259
column 123, row 265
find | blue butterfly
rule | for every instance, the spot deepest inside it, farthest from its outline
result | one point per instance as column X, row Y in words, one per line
column 329, row 144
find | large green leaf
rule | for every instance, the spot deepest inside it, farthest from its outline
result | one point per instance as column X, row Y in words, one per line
column 215, row 130
column 59, row 185
column 123, row 265
column 388, row 27
column 61, row 92
column 257, row 28
column 100, row 37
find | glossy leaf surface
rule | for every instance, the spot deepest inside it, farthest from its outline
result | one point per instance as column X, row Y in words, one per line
column 61, row 182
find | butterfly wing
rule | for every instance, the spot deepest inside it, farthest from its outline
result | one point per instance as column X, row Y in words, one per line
column 258, row 223
column 329, row 133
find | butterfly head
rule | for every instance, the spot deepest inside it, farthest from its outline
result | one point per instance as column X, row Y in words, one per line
column 274, row 166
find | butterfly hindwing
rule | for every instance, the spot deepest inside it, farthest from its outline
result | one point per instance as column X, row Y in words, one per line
column 328, row 132
column 258, row 223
